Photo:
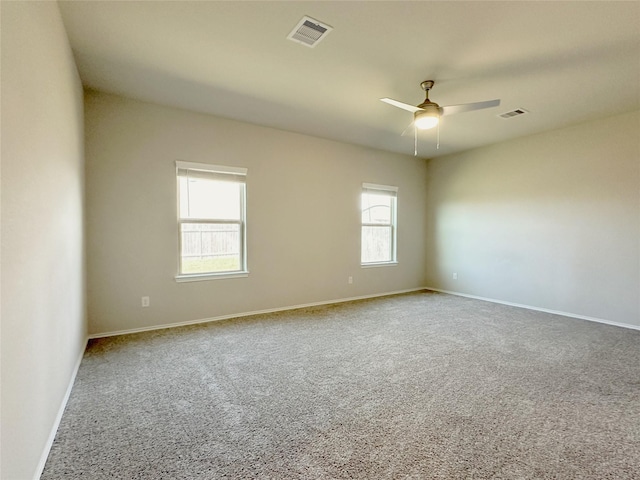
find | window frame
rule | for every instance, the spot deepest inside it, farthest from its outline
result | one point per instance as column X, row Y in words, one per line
column 216, row 170
column 392, row 192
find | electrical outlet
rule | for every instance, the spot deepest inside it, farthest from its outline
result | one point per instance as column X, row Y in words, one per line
column 350, row 280
column 455, row 275
column 145, row 301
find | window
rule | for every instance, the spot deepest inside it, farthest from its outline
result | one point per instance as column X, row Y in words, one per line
column 378, row 224
column 211, row 220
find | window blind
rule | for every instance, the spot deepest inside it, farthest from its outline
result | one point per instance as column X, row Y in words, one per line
column 374, row 189
column 211, row 172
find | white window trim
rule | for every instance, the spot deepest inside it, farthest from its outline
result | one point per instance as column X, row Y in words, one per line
column 393, row 191
column 392, row 263
column 199, row 277
column 221, row 169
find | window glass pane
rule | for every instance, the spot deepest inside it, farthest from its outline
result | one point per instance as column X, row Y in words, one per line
column 376, row 244
column 210, row 199
column 376, row 208
column 210, row 247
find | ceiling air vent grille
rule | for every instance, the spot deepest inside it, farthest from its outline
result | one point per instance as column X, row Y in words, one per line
column 513, row 113
column 309, row 32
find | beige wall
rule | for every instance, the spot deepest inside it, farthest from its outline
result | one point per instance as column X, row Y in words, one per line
column 43, row 313
column 550, row 221
column 302, row 209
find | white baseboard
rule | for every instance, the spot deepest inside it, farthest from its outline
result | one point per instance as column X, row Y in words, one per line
column 246, row 314
column 58, row 419
column 538, row 309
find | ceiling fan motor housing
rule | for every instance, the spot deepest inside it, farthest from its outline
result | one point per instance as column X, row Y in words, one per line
column 429, row 106
column 428, row 116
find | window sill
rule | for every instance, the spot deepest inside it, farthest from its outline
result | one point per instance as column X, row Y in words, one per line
column 380, row 264
column 210, row 276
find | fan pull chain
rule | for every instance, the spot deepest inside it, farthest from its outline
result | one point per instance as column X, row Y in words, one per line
column 415, row 141
column 438, row 139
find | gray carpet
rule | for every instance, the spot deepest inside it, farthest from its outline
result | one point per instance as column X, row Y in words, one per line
column 422, row 386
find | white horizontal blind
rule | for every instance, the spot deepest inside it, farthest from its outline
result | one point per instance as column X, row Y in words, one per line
column 380, row 189
column 211, row 172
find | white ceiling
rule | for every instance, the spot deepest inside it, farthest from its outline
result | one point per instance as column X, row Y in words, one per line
column 565, row 62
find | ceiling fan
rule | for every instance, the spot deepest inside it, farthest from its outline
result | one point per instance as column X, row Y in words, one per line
column 427, row 114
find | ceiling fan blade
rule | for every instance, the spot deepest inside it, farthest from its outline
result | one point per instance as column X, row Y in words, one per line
column 468, row 107
column 410, row 129
column 404, row 106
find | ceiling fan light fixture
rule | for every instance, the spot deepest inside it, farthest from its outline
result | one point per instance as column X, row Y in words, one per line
column 426, row 119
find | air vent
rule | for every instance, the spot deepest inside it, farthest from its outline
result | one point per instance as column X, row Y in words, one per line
column 514, row 113
column 309, row 32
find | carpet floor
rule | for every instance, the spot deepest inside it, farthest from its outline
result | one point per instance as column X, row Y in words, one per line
column 417, row 386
